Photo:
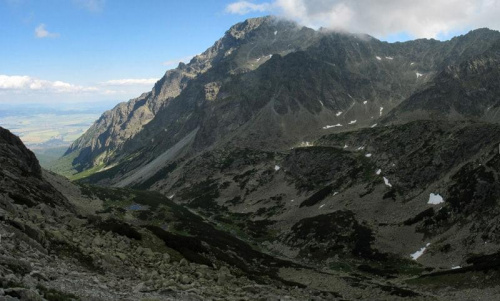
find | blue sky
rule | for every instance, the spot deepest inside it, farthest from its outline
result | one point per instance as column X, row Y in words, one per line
column 93, row 50
column 88, row 44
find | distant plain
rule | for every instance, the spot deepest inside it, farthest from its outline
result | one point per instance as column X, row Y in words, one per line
column 48, row 129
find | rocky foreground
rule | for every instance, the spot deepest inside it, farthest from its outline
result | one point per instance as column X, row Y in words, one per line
column 42, row 260
column 51, row 249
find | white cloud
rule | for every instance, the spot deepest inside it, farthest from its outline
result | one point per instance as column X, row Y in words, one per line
column 41, row 32
column 23, row 88
column 30, row 84
column 91, row 5
column 130, row 82
column 420, row 19
column 175, row 62
column 245, row 7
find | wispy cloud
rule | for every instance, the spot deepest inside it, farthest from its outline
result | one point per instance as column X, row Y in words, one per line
column 130, row 82
column 41, row 32
column 24, row 88
column 245, row 7
column 27, row 84
column 420, row 19
column 91, row 5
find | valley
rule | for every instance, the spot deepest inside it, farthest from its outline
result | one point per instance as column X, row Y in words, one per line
column 283, row 163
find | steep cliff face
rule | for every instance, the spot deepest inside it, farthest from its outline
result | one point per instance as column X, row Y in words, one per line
column 16, row 159
column 243, row 48
column 21, row 180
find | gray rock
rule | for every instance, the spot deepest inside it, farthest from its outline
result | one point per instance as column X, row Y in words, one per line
column 139, row 287
column 74, row 222
column 18, row 223
column 122, row 245
column 222, row 278
column 3, row 214
column 45, row 210
column 57, row 235
column 166, row 258
column 16, row 265
column 148, row 253
column 39, row 275
column 24, row 294
column 224, row 270
column 185, row 279
column 98, row 241
column 121, row 256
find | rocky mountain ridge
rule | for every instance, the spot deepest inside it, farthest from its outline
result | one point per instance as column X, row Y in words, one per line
column 237, row 52
column 318, row 80
column 346, row 161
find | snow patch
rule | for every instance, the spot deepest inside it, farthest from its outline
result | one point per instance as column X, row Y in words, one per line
column 381, row 110
column 352, row 121
column 456, row 267
column 360, row 148
column 276, row 32
column 321, row 103
column 389, row 57
column 305, row 144
column 419, row 74
column 345, row 146
column 368, row 155
column 335, row 193
column 321, row 206
column 378, row 58
column 373, row 125
column 412, row 63
column 365, row 102
column 435, row 199
column 420, row 252
column 276, row 167
column 386, row 181
column 172, row 196
column 338, row 114
column 331, row 126
column 378, row 172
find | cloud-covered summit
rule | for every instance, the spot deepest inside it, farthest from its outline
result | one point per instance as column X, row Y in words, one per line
column 381, row 18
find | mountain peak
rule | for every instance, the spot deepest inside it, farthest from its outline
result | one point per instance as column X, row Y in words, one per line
column 483, row 33
column 242, row 29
